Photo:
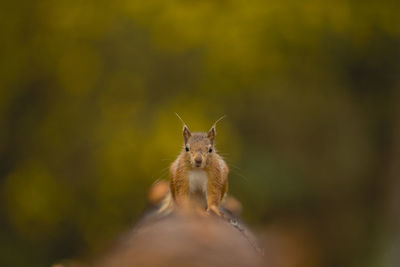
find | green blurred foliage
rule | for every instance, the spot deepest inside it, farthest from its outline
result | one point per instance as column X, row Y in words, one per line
column 88, row 92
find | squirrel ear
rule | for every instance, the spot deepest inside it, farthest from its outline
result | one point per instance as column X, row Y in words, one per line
column 211, row 134
column 186, row 133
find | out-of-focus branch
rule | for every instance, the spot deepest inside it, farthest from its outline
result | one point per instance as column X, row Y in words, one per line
column 184, row 240
column 186, row 237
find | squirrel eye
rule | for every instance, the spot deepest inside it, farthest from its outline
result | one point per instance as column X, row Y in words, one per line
column 187, row 149
column 210, row 150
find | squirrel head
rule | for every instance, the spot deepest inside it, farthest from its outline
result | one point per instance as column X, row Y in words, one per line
column 198, row 147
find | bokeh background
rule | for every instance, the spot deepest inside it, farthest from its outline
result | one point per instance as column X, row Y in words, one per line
column 311, row 90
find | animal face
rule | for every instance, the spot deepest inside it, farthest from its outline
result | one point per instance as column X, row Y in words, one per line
column 199, row 147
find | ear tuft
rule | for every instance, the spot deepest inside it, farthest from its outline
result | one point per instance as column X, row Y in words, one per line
column 211, row 134
column 186, row 133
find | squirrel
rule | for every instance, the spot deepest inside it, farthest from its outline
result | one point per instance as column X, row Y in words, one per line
column 198, row 170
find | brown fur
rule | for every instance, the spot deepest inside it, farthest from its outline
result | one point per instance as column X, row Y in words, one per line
column 213, row 164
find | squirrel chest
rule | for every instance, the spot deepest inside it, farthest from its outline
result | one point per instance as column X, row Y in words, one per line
column 197, row 181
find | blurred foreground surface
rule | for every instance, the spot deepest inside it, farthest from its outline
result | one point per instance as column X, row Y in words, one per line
column 88, row 93
column 184, row 240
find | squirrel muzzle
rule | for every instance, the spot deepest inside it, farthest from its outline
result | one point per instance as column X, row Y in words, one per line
column 198, row 160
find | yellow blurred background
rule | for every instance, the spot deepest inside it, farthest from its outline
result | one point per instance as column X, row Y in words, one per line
column 88, row 92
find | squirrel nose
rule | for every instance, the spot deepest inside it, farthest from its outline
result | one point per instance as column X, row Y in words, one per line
column 198, row 160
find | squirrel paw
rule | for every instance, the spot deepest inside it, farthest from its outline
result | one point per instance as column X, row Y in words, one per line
column 214, row 209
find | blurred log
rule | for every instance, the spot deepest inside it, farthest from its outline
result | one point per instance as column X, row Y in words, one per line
column 184, row 239
column 187, row 237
